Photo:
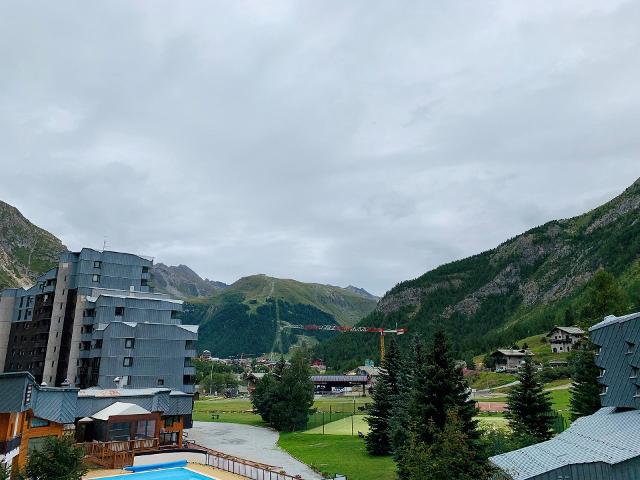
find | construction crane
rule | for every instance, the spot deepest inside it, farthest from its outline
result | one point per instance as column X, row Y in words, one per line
column 339, row 328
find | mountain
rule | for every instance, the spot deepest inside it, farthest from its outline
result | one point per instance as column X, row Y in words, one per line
column 182, row 282
column 362, row 292
column 518, row 289
column 248, row 316
column 26, row 251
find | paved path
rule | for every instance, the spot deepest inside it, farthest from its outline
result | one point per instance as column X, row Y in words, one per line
column 253, row 443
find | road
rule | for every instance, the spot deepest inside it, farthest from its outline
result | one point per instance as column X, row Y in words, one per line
column 252, row 443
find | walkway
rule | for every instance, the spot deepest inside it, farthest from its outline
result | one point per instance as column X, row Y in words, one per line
column 252, row 443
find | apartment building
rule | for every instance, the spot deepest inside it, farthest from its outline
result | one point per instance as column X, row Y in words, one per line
column 94, row 321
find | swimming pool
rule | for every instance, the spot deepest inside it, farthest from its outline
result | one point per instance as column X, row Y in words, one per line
column 163, row 474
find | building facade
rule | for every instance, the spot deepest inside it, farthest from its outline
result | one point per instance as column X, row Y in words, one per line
column 563, row 339
column 602, row 446
column 29, row 413
column 508, row 360
column 94, row 321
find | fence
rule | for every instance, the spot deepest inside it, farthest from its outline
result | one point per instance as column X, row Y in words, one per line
column 332, row 413
column 241, row 466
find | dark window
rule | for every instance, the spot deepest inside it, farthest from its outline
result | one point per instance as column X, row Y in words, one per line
column 119, row 311
column 97, row 264
column 145, row 269
column 160, row 382
column 129, row 342
column 187, row 362
column 144, row 282
column 176, row 314
column 98, row 343
column 127, row 361
column 188, row 380
column 95, row 278
column 188, row 345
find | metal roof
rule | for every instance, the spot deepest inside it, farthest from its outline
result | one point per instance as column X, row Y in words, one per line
column 513, row 353
column 607, row 436
column 611, row 319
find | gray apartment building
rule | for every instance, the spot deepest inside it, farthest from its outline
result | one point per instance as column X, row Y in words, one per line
column 94, row 321
column 602, row 446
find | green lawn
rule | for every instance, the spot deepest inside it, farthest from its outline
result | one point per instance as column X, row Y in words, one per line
column 560, row 399
column 331, row 454
column 482, row 380
column 342, row 426
column 230, row 411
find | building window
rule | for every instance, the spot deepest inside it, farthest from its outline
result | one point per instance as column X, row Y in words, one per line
column 98, row 343
column 129, row 342
column 119, row 311
column 187, row 362
column 160, row 382
column 127, row 361
column 602, row 372
column 604, row 390
column 176, row 314
column 144, row 282
column 634, row 372
column 95, row 278
column 97, row 264
column 188, row 345
column 38, row 422
column 145, row 269
column 630, row 347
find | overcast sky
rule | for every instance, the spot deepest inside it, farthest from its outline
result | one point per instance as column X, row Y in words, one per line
column 343, row 142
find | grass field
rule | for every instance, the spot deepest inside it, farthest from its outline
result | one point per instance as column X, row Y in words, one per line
column 482, row 380
column 331, row 454
column 342, row 426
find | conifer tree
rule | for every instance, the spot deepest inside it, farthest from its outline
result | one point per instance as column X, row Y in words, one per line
column 386, row 393
column 530, row 411
column 585, row 391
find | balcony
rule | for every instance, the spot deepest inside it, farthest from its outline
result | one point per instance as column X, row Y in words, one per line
column 118, row 454
column 8, row 445
column 562, row 341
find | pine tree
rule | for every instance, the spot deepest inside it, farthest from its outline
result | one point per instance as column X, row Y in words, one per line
column 294, row 399
column 604, row 296
column 385, row 395
column 585, row 391
column 438, row 387
column 449, row 456
column 530, row 411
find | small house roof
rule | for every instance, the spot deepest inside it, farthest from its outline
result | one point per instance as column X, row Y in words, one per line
column 569, row 330
column 512, row 353
column 118, row 409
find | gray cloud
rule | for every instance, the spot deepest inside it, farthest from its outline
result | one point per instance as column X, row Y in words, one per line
column 338, row 142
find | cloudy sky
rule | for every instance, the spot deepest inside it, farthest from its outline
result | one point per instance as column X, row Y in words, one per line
column 343, row 142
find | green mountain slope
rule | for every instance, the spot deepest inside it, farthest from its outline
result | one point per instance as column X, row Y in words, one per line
column 248, row 316
column 26, row 251
column 521, row 288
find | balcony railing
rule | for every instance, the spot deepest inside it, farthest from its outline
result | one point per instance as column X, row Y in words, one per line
column 118, row 454
column 561, row 341
column 8, row 445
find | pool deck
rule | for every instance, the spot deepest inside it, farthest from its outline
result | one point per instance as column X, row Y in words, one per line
column 204, row 469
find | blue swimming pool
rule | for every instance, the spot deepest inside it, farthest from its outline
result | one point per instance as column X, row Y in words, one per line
column 164, row 474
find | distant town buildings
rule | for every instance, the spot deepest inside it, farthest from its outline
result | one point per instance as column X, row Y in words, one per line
column 93, row 321
column 602, row 446
column 563, row 339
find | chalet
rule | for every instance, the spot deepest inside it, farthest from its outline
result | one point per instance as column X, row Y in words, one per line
column 326, row 384
column 29, row 413
column 252, row 379
column 508, row 360
column 563, row 339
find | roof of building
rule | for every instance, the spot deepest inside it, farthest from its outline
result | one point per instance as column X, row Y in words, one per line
column 611, row 319
column 370, row 370
column 125, row 392
column 340, row 378
column 569, row 330
column 256, row 375
column 607, row 436
column 119, row 409
column 513, row 353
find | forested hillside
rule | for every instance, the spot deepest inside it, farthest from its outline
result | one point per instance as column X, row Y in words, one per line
column 26, row 251
column 521, row 288
column 250, row 315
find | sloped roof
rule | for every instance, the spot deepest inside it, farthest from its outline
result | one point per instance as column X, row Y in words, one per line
column 119, row 409
column 513, row 353
column 607, row 436
column 611, row 319
column 340, row 378
column 569, row 330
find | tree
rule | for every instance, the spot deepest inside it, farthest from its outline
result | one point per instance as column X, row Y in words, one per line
column 438, row 387
column 585, row 391
column 450, row 455
column 530, row 411
column 604, row 296
column 284, row 397
column 386, row 393
column 58, row 459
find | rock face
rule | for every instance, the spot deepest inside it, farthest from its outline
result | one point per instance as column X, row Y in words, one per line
column 521, row 287
column 362, row 292
column 182, row 282
column 26, row 251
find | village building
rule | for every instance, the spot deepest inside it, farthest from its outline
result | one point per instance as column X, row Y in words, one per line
column 602, row 446
column 328, row 384
column 564, row 339
column 29, row 413
column 509, row 360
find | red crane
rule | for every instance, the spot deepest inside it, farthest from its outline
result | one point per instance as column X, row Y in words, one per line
column 339, row 328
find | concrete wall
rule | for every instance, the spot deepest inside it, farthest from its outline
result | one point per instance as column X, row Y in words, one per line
column 7, row 304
